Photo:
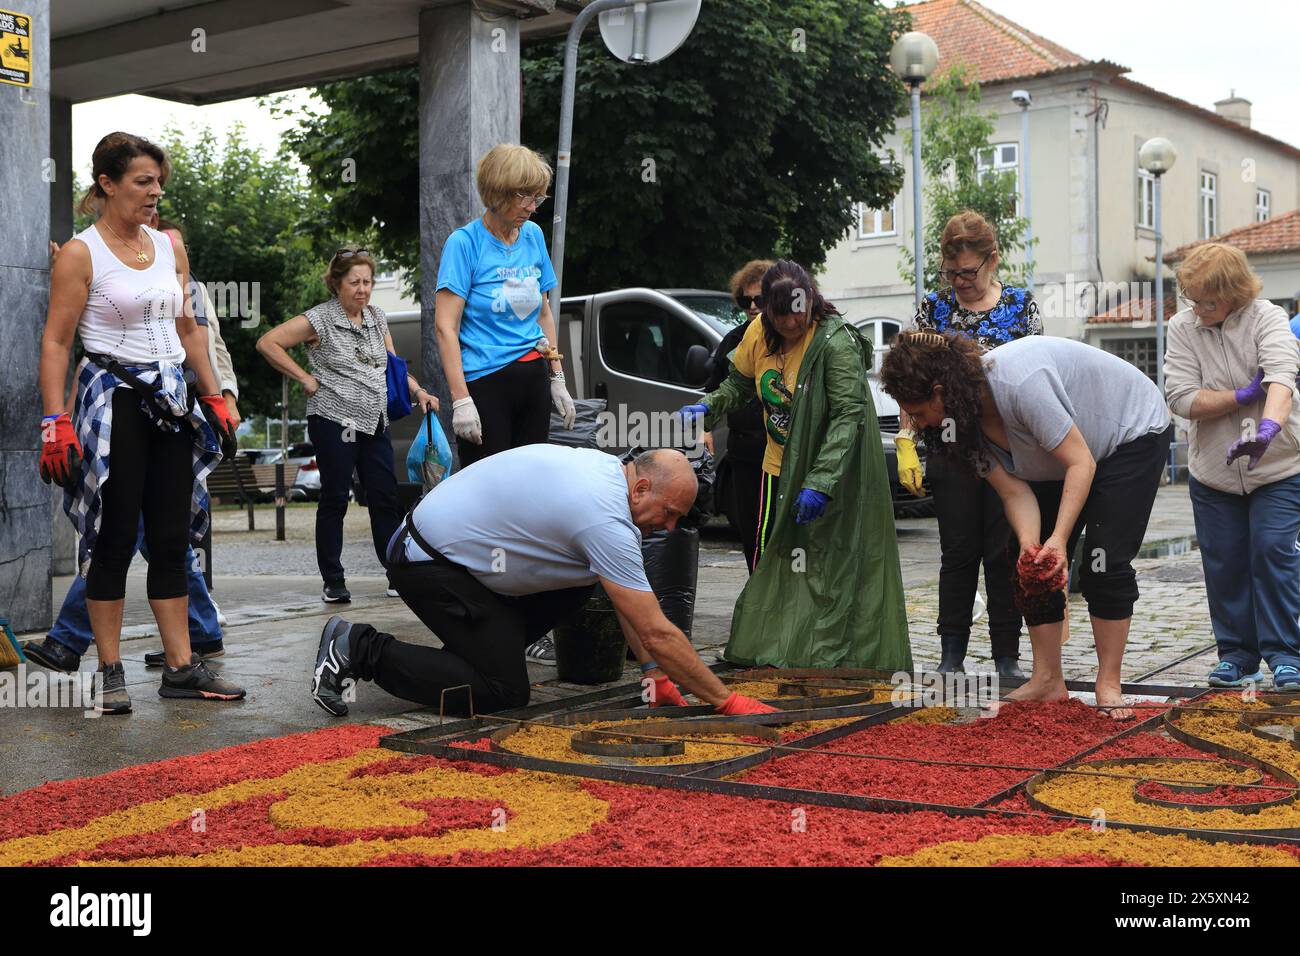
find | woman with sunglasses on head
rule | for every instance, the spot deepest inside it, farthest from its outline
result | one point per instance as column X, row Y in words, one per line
column 746, row 433
column 1231, row 368
column 139, row 441
column 347, row 343
column 827, row 588
column 1071, row 438
column 972, row 526
column 496, row 334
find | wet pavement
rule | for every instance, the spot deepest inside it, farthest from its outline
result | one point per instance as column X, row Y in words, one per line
column 270, row 595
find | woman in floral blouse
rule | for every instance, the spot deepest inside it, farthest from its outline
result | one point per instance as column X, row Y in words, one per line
column 972, row 525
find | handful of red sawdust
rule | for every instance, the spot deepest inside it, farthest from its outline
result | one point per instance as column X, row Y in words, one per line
column 1038, row 592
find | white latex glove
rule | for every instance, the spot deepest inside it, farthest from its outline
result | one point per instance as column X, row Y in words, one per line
column 465, row 421
column 563, row 402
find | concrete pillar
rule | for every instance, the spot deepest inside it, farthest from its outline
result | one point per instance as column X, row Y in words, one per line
column 469, row 102
column 24, row 299
column 63, row 540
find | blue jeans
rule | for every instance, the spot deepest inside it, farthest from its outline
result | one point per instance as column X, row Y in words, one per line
column 72, row 629
column 1251, row 556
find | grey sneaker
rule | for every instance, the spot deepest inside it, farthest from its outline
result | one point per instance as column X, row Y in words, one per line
column 332, row 666
column 542, row 651
column 197, row 682
column 111, row 684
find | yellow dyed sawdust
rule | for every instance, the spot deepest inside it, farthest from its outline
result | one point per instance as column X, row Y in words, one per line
column 928, row 715
column 767, row 690
column 552, row 743
column 1120, row 845
column 1083, row 796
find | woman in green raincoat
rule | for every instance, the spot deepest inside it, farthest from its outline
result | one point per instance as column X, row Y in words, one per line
column 827, row 590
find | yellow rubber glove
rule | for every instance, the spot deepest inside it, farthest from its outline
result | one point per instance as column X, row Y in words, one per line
column 909, row 463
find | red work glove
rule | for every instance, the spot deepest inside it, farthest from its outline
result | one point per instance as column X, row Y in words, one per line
column 736, row 705
column 60, row 452
column 218, row 415
column 666, row 694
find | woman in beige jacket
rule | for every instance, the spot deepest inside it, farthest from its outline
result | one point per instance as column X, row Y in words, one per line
column 1231, row 369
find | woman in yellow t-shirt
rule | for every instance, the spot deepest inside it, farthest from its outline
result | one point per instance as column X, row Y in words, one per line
column 827, row 587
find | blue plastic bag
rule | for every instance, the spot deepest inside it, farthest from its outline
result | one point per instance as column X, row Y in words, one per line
column 399, row 394
column 429, row 460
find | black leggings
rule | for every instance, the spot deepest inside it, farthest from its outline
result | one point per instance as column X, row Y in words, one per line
column 484, row 636
column 972, row 528
column 151, row 473
column 1115, row 515
column 514, row 405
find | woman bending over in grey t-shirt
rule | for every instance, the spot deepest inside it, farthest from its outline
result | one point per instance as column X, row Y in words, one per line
column 1071, row 438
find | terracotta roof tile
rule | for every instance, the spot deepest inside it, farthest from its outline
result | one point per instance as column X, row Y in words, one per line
column 1278, row 234
column 993, row 46
column 1136, row 310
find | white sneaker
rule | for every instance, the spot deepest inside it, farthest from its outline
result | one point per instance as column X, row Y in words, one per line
column 221, row 618
column 392, row 592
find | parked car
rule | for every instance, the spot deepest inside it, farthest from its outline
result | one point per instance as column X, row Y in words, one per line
column 645, row 350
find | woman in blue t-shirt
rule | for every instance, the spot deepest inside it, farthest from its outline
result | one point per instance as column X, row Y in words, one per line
column 494, row 325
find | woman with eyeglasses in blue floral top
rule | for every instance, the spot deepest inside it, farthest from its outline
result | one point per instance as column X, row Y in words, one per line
column 972, row 524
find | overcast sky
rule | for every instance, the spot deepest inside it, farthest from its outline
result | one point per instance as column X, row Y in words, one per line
column 1196, row 50
column 1193, row 49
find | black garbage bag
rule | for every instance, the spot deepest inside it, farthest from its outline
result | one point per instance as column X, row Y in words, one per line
column 672, row 562
column 585, row 425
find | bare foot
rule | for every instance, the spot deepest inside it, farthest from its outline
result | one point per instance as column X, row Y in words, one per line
column 1040, row 689
column 1108, row 695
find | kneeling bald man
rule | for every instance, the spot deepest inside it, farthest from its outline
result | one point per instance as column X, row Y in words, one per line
column 500, row 552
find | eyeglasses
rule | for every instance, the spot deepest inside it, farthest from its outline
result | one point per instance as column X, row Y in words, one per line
column 349, row 253
column 745, row 301
column 530, row 200
column 966, row 275
column 1205, row 305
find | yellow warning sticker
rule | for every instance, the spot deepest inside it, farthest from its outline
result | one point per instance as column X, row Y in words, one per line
column 15, row 48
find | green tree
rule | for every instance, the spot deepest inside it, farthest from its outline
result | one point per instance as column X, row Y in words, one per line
column 251, row 221
column 757, row 137
column 953, row 132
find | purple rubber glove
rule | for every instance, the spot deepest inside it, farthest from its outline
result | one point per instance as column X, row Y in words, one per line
column 692, row 412
column 809, row 506
column 1254, row 392
column 1256, row 447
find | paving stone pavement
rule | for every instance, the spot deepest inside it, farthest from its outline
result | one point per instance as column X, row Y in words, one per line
column 270, row 593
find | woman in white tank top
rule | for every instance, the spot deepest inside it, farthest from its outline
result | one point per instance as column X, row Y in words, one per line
column 139, row 448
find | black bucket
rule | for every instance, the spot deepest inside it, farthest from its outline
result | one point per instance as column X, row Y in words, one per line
column 589, row 647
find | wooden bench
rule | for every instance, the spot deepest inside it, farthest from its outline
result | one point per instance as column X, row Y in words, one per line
column 237, row 479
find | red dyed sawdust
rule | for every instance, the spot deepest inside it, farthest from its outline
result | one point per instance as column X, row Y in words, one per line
column 247, row 823
column 61, row 804
column 1023, row 734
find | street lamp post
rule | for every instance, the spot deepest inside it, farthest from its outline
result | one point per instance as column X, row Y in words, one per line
column 1157, row 157
column 1022, row 99
column 914, row 57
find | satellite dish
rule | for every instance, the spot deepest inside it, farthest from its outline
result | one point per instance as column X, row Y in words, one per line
column 648, row 32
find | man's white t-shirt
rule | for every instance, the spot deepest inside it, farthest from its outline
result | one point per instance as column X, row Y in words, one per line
column 535, row 518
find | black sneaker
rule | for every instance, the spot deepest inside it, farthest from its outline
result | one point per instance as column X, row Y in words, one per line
column 332, row 666
column 196, row 681
column 112, row 697
column 542, row 651
column 50, row 653
column 336, row 594
column 202, row 651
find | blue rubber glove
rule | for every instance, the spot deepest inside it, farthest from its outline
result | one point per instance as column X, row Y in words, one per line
column 1255, row 448
column 809, row 506
column 1256, row 391
column 692, row 412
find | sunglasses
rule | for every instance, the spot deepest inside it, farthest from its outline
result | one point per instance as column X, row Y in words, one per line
column 530, row 200
column 966, row 275
column 349, row 253
column 745, row 301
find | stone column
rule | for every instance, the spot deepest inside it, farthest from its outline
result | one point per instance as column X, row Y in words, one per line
column 469, row 102
column 24, row 298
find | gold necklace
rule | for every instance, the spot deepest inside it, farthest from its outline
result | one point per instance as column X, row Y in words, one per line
column 140, row 254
